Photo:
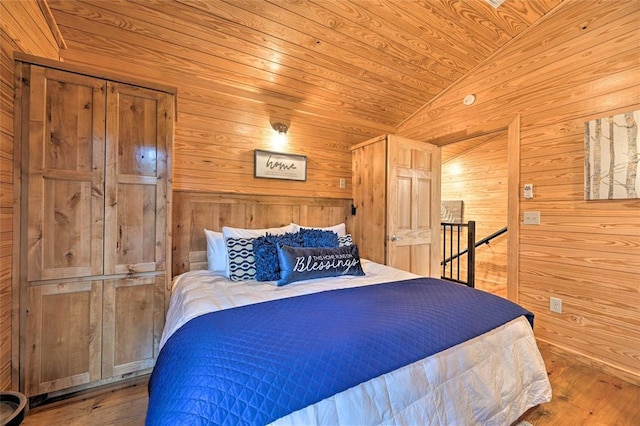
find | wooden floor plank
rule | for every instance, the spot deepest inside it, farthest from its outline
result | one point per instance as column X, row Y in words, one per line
column 581, row 395
column 125, row 406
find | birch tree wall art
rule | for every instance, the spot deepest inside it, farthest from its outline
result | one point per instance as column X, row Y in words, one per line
column 611, row 163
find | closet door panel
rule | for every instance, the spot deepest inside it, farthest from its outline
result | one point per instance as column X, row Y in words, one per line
column 136, row 205
column 136, row 226
column 65, row 175
column 133, row 321
column 65, row 335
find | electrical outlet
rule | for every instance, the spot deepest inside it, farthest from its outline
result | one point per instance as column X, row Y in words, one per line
column 555, row 305
column 343, row 183
column 531, row 218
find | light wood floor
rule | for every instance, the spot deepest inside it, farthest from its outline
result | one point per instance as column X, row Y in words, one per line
column 581, row 396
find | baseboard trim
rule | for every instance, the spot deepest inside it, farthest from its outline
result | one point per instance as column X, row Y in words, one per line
column 612, row 370
column 47, row 402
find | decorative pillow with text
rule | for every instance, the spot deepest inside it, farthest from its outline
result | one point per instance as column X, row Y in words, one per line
column 266, row 254
column 301, row 263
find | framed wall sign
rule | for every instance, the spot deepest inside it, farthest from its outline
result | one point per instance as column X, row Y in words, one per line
column 275, row 165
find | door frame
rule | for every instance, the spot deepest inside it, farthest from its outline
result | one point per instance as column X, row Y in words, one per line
column 512, row 129
column 513, row 209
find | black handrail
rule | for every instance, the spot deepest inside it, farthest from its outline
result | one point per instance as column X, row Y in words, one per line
column 471, row 259
column 485, row 240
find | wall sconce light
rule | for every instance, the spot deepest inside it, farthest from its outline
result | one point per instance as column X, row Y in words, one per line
column 281, row 128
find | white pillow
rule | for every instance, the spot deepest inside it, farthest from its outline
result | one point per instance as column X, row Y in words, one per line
column 339, row 229
column 229, row 232
column 216, row 252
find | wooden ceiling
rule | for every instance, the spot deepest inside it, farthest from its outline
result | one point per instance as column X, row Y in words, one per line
column 363, row 66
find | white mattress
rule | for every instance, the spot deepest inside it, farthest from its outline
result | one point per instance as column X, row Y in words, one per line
column 490, row 380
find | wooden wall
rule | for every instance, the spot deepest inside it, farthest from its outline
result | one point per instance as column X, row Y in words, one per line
column 24, row 29
column 582, row 62
column 224, row 107
column 194, row 211
column 478, row 176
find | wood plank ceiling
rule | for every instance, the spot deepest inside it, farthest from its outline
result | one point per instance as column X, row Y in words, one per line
column 362, row 66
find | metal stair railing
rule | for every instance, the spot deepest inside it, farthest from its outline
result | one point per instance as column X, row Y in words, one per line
column 448, row 230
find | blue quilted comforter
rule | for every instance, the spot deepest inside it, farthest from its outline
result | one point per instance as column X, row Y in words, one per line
column 257, row 363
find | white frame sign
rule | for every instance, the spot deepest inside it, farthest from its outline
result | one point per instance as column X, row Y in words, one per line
column 276, row 165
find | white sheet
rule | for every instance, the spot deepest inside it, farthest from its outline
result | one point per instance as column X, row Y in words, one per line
column 198, row 292
column 490, row 380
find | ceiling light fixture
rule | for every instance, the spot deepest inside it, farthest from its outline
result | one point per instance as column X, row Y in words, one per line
column 469, row 99
column 281, row 128
column 495, row 3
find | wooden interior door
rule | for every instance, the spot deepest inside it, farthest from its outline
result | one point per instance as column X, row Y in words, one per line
column 66, row 175
column 413, row 206
column 136, row 179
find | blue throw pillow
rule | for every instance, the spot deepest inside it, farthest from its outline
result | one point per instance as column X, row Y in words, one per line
column 302, row 263
column 265, row 250
column 312, row 237
column 265, row 253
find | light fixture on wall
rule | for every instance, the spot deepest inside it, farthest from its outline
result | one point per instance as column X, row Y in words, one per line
column 281, row 128
column 279, row 138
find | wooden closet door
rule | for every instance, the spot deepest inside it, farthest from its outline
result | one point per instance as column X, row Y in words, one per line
column 66, row 175
column 369, row 196
column 64, row 336
column 138, row 136
column 133, row 321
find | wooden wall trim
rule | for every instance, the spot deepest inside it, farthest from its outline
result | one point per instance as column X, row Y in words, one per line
column 53, row 25
column 223, row 197
column 18, row 294
column 589, row 361
column 513, row 209
column 368, row 142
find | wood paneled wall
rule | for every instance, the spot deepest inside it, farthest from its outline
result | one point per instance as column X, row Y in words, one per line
column 224, row 108
column 580, row 63
column 24, row 29
column 194, row 211
column 478, row 177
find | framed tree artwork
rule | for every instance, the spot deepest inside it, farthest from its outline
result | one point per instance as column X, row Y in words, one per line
column 611, row 164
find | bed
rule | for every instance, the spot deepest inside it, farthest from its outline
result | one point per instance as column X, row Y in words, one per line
column 374, row 345
column 488, row 377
